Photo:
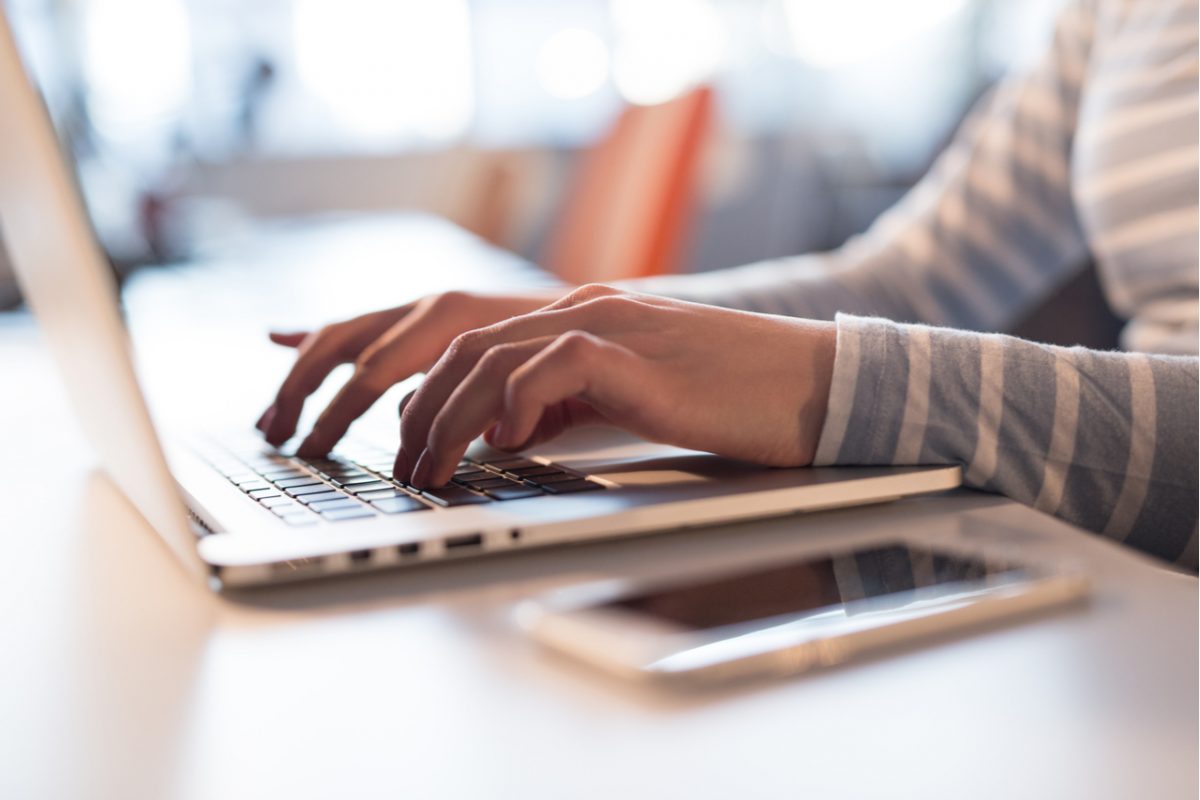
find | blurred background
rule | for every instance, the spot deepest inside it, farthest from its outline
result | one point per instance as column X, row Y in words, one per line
column 762, row 127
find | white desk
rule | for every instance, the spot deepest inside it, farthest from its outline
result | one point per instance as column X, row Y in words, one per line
column 122, row 680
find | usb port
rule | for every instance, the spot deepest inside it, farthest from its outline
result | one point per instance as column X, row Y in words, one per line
column 463, row 542
column 409, row 550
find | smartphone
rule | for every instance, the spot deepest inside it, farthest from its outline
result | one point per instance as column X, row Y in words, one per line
column 790, row 617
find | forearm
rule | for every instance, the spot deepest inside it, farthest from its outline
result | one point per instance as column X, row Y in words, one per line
column 813, row 286
column 1107, row 441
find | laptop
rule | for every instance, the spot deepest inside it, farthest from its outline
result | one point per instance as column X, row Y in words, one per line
column 237, row 512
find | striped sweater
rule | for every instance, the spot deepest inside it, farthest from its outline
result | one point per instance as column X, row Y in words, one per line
column 1092, row 154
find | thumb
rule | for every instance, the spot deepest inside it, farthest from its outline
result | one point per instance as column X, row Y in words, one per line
column 555, row 421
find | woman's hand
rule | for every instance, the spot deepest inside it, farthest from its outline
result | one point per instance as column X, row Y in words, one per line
column 386, row 347
column 742, row 385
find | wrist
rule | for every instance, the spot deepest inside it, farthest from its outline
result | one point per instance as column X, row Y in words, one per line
column 822, row 356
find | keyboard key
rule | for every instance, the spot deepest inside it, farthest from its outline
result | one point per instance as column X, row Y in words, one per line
column 290, row 514
column 265, row 462
column 339, row 470
column 454, row 496
column 340, row 514
column 468, row 475
column 380, row 494
column 290, row 508
column 569, row 487
column 251, row 486
column 529, row 472
column 300, row 519
column 398, row 505
column 490, row 482
column 347, row 474
column 320, row 497
column 324, row 506
column 262, row 494
column 283, row 474
column 349, row 484
column 513, row 491
column 300, row 491
column 241, row 476
column 324, row 463
column 288, row 483
column 278, row 501
column 373, row 486
column 553, row 477
column 513, row 463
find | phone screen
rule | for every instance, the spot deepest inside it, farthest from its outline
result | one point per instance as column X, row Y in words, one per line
column 889, row 574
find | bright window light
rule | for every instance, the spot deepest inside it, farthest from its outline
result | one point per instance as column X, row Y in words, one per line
column 834, row 34
column 387, row 69
column 573, row 63
column 137, row 61
column 665, row 47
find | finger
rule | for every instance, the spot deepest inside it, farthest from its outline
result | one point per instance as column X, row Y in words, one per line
column 471, row 409
column 288, row 339
column 606, row 376
column 608, row 313
column 404, row 403
column 319, row 354
column 265, row 420
column 316, row 360
column 402, row 466
column 402, row 351
column 352, row 401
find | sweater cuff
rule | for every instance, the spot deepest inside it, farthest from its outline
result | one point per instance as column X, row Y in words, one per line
column 869, row 420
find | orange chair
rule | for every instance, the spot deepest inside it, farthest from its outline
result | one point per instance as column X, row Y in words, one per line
column 628, row 209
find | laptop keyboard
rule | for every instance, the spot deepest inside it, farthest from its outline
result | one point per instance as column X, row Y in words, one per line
column 360, row 485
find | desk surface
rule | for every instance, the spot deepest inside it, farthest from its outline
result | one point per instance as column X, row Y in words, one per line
column 121, row 679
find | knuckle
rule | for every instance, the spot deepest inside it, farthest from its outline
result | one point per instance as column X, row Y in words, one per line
column 449, row 301
column 469, row 344
column 368, row 382
column 576, row 344
column 496, row 359
column 372, row 360
column 615, row 303
column 457, row 347
column 612, row 306
column 517, row 389
column 592, row 291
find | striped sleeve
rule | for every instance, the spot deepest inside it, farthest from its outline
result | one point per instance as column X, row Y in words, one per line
column 1104, row 440
column 987, row 234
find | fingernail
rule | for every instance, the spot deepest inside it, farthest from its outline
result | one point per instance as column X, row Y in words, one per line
column 400, row 470
column 421, row 471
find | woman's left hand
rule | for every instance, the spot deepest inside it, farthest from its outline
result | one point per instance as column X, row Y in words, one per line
column 742, row 385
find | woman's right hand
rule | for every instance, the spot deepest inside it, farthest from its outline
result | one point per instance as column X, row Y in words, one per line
column 385, row 347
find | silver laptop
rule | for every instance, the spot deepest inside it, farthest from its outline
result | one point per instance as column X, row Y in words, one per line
column 237, row 512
